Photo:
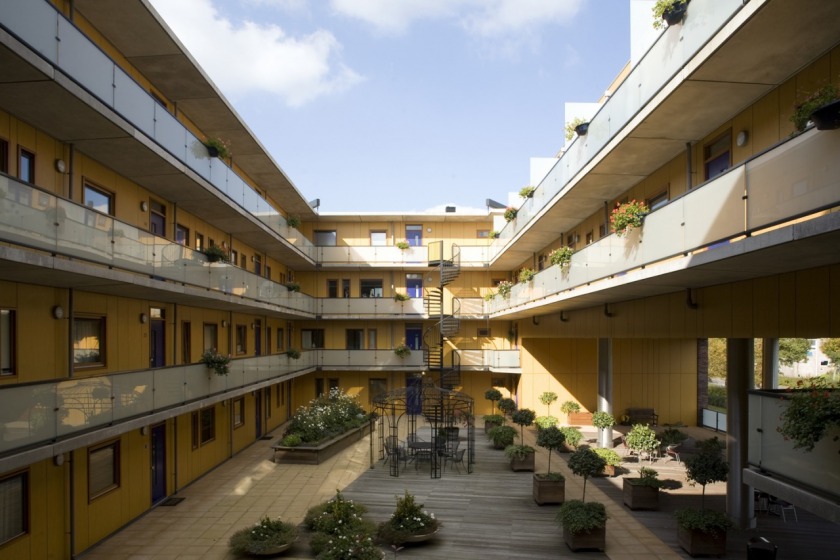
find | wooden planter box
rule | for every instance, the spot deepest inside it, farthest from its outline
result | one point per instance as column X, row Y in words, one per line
column 526, row 464
column 698, row 543
column 594, row 540
column 638, row 496
column 609, row 470
column 549, row 491
column 580, row 419
column 314, row 455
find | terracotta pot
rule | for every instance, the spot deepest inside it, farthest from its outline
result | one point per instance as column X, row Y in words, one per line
column 549, row 491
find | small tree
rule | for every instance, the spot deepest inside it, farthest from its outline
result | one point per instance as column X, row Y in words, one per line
column 706, row 466
column 793, row 350
column 547, row 398
column 585, row 462
column 641, row 439
column 493, row 395
column 524, row 417
column 550, row 438
column 507, row 405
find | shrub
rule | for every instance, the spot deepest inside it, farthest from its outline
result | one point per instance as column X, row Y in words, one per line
column 550, row 438
column 572, row 435
column 293, row 353
column 340, row 531
column 217, row 147
column 577, row 516
column 518, row 452
column 610, row 456
column 265, row 535
column 585, row 463
column 402, row 351
column 603, row 420
column 291, row 440
column 403, row 245
column 219, row 363
column 671, row 436
column 327, row 416
column 292, row 286
column 524, row 417
column 214, row 253
column 568, row 407
column 526, row 275
column 544, row 422
column 510, row 213
column 648, row 477
column 494, row 396
column 642, row 439
column 572, row 125
column 293, row 222
column 507, row 405
column 527, row 192
column 409, row 518
column 502, row 436
column 802, row 111
column 399, row 296
column 561, row 256
column 627, row 216
column 504, row 288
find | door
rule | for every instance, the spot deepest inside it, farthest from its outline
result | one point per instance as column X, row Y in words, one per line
column 258, row 338
column 259, row 411
column 157, row 342
column 414, row 285
column 413, row 395
column 414, row 336
column 158, row 463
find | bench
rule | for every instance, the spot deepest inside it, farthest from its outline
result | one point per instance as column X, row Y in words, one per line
column 643, row 416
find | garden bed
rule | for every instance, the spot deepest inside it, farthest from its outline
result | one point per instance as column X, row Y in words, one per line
column 316, row 454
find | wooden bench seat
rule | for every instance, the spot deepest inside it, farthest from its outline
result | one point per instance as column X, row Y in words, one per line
column 643, row 416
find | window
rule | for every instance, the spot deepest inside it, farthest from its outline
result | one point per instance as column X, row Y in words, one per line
column 345, row 287
column 371, row 288
column 378, row 238
column 7, row 344
column 243, row 261
column 414, row 285
column 325, row 238
column 376, row 386
column 355, row 339
column 234, row 257
column 182, row 235
column 211, row 337
column 319, row 386
column 239, row 412
column 658, row 201
column 590, row 237
column 14, row 502
column 268, row 272
column 4, row 168
column 414, row 235
column 186, row 342
column 258, row 265
column 571, row 240
column 541, row 261
column 268, row 340
column 602, row 231
column 207, row 422
column 483, row 234
column 103, row 469
column 195, row 430
column 716, row 156
column 199, row 241
column 98, row 199
column 26, row 169
column 241, row 339
column 280, row 340
column 268, row 402
column 483, row 332
column 157, row 218
column 89, row 341
column 333, row 383
column 371, row 339
column 312, row 338
column 332, row 288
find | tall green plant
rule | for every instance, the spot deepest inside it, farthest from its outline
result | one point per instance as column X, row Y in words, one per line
column 494, row 396
column 550, row 438
column 524, row 417
column 706, row 466
column 585, row 463
column 547, row 398
column 507, row 405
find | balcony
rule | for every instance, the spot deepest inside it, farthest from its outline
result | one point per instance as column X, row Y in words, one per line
column 36, row 219
column 49, row 412
column 757, row 213
column 368, row 360
column 379, row 308
column 372, row 256
column 490, row 360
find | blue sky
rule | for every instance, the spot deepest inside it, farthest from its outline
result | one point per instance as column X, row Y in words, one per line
column 405, row 105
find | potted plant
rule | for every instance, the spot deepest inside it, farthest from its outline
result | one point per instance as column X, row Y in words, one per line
column 577, row 126
column 526, row 275
column 402, row 351
column 493, row 395
column 573, row 437
column 549, row 487
column 268, row 537
column 521, row 457
column 491, row 421
column 704, row 531
column 214, row 253
column 494, row 234
column 399, row 296
column 510, row 213
column 504, row 288
column 527, row 192
column 641, row 440
column 625, row 217
column 642, row 492
column 403, row 245
column 813, row 409
column 217, row 362
column 562, row 256
column 218, row 148
column 568, row 408
column 502, row 436
column 292, row 286
column 293, row 353
column 409, row 523
column 604, row 421
column 611, row 458
column 584, row 524
column 671, row 12
column 507, row 405
column 340, row 531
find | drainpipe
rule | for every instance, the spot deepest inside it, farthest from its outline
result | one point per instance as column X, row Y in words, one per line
column 688, row 170
column 70, row 329
column 72, row 515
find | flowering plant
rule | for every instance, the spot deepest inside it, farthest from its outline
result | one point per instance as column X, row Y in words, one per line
column 340, row 531
column 216, row 362
column 812, row 410
column 510, row 213
column 408, row 519
column 627, row 216
column 402, row 351
column 261, row 538
column 504, row 288
column 327, row 416
column 562, row 256
column 802, row 111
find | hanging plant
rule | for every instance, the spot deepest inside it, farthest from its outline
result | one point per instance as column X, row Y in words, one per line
column 576, row 126
column 214, row 253
column 561, row 256
column 627, row 216
column 402, row 245
column 671, row 12
column 293, row 353
column 527, row 192
column 804, row 109
column 510, row 213
column 216, row 147
column 402, row 351
column 504, row 288
column 217, row 362
column 293, row 222
column 526, row 275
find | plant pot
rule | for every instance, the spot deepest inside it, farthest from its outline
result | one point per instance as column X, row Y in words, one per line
column 638, row 496
column 524, row 464
column 580, row 419
column 213, row 151
column 420, row 538
column 549, row 491
column 698, row 543
column 675, row 14
column 594, row 540
column 273, row 551
column 566, row 448
column 827, row 117
column 582, row 129
column 609, row 470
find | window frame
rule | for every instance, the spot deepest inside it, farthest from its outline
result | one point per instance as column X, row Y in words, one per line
column 182, row 235
column 93, row 188
column 238, row 406
column 325, row 238
column 316, row 336
column 241, row 339
column 207, row 429
column 26, row 157
column 381, row 383
column 102, row 347
column 378, row 238
column 374, row 286
column 8, row 342
column 712, row 155
column 24, row 511
column 416, row 241
column 354, row 339
column 115, row 479
column 4, row 155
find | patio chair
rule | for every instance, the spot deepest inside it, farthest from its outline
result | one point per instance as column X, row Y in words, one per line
column 394, row 451
column 671, row 451
column 783, row 508
column 456, row 458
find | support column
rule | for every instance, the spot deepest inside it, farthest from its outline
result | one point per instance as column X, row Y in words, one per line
column 770, row 364
column 739, row 376
column 605, row 393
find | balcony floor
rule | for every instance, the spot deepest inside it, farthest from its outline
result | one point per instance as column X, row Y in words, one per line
column 488, row 514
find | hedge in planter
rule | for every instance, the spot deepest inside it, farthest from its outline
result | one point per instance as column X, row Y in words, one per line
column 642, row 492
column 502, row 436
column 584, row 525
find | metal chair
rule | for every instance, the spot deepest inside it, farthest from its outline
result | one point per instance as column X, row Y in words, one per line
column 394, row 451
column 671, row 451
column 456, row 458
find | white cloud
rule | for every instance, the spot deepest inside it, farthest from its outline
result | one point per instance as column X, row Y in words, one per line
column 483, row 18
column 257, row 57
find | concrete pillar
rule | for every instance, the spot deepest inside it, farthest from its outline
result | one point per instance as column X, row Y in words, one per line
column 770, row 364
column 739, row 378
column 605, row 396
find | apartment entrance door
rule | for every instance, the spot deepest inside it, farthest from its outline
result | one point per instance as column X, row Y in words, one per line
column 157, row 342
column 158, row 462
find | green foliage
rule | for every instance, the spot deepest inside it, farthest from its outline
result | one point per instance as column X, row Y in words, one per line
column 399, row 296
column 409, row 518
column 327, row 517
column 493, row 395
column 577, row 516
column 526, row 275
column 648, row 477
column 572, row 435
column 507, row 405
column 402, row 351
column 610, row 456
column 569, row 407
column 706, row 466
column 293, row 222
column 293, row 353
column 519, row 452
column 291, row 440
column 547, row 398
column 510, row 213
column 527, row 192
column 561, row 256
column 717, row 397
column 544, row 422
column 671, row 436
column 603, row 420
column 572, row 125
column 585, row 463
column 802, row 111
column 707, row 521
column 218, row 145
column 793, row 350
column 661, row 7
column 265, row 535
column 219, row 363
column 292, row 286
column 214, row 253
column 641, row 438
column 403, row 245
column 550, row 438
column 524, row 417
column 496, row 419
column 625, row 217
column 505, row 288
column 340, row 531
column 327, row 416
column 502, row 436
column 812, row 410
column 831, row 348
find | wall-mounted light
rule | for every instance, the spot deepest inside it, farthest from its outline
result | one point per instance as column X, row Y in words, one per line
column 58, row 460
column 144, row 431
column 60, row 165
column 252, row 326
column 144, row 206
column 742, row 138
column 58, row 312
column 224, row 323
column 428, row 230
column 144, row 318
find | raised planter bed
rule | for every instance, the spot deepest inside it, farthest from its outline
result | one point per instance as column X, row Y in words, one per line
column 314, row 455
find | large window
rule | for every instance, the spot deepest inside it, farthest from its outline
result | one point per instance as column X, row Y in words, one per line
column 378, row 238
column 103, row 469
column 414, row 235
column 377, row 387
column 241, row 339
column 207, row 421
column 717, row 156
column 14, row 501
column 26, row 169
column 182, row 235
column 355, row 339
column 325, row 238
column 98, row 199
column 332, row 288
column 7, row 343
column 239, row 412
column 312, row 338
column 371, row 288
column 89, row 341
column 211, row 337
